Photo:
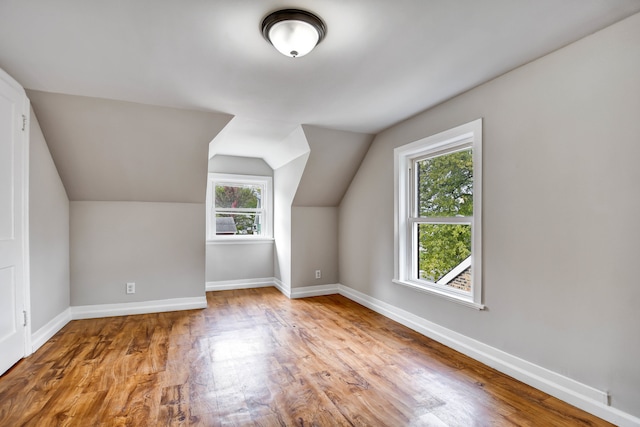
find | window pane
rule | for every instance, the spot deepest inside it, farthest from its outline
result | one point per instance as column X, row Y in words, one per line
column 444, row 254
column 230, row 224
column 239, row 196
column 445, row 185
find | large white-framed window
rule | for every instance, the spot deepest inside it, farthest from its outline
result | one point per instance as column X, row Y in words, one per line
column 438, row 208
column 239, row 207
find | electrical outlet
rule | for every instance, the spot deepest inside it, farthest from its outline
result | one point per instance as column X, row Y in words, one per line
column 318, row 274
column 131, row 288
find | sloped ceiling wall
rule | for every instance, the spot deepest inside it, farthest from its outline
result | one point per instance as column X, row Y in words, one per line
column 334, row 158
column 109, row 150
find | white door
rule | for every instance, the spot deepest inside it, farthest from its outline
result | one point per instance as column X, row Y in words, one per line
column 13, row 150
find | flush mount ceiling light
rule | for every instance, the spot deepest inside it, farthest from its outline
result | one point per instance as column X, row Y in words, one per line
column 293, row 32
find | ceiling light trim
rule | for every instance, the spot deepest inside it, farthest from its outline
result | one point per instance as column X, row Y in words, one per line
column 280, row 27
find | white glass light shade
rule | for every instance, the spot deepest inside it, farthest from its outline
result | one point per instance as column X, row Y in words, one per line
column 293, row 32
column 293, row 38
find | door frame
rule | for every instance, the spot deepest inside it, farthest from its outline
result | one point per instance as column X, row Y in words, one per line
column 26, row 258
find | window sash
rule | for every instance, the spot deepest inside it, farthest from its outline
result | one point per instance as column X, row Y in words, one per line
column 414, row 176
column 413, row 259
column 415, row 219
column 238, row 210
column 442, row 220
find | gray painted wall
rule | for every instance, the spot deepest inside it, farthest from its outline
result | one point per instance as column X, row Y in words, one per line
column 334, row 158
column 239, row 261
column 141, row 169
column 159, row 246
column 314, row 245
column 560, row 214
column 285, row 182
column 48, row 233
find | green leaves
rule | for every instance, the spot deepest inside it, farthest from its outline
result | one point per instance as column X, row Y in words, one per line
column 445, row 185
column 441, row 248
column 445, row 189
column 236, row 197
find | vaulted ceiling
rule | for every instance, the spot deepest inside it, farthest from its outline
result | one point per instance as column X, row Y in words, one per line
column 381, row 62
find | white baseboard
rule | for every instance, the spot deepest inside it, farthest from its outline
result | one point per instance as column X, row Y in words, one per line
column 314, row 291
column 45, row 333
column 282, row 287
column 303, row 292
column 142, row 307
column 573, row 392
column 226, row 285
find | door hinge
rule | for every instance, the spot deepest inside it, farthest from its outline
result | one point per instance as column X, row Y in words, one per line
column 24, row 313
column 24, row 122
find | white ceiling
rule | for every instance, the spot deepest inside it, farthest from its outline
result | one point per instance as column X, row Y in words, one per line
column 381, row 62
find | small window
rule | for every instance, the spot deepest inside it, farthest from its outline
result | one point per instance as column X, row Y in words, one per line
column 238, row 206
column 438, row 208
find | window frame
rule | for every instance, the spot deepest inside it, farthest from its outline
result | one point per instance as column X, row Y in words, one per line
column 266, row 182
column 468, row 135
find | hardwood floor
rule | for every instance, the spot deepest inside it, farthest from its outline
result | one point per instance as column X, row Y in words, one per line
column 253, row 357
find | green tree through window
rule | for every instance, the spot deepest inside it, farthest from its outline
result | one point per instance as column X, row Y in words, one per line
column 239, row 197
column 445, row 189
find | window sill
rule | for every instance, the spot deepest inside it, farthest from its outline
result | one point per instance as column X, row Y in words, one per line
column 460, row 299
column 240, row 240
